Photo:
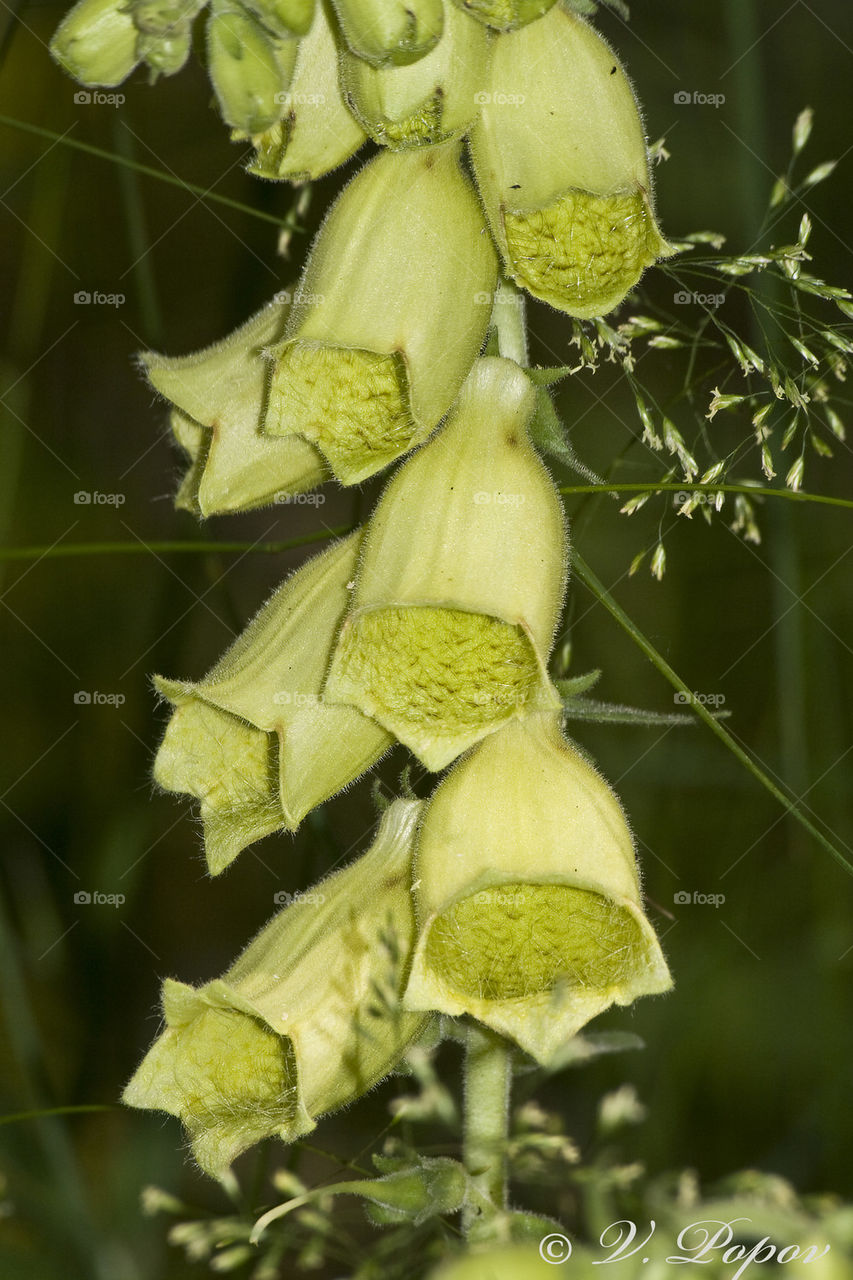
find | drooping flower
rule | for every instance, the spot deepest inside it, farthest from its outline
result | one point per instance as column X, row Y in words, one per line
column 315, row 132
column 388, row 317
column 562, row 166
column 527, row 893
column 255, row 741
column 433, row 100
column 459, row 586
column 306, row 1020
column 219, row 396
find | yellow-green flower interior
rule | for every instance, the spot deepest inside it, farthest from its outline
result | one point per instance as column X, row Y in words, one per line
column 584, row 252
column 235, row 1077
column 517, row 940
column 424, row 671
column 422, row 127
column 353, row 404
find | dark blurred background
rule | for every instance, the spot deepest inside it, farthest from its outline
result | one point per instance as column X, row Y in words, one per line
column 747, row 1063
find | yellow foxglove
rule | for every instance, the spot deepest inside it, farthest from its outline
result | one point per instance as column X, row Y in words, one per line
column 255, row 741
column 527, row 893
column 389, row 314
column 460, row 582
column 219, row 396
column 562, row 166
column 305, row 1021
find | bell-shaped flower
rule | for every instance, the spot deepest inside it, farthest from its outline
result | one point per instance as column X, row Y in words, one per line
column 527, row 893
column 249, row 67
column 96, row 42
column 306, row 1020
column 432, row 100
column 390, row 32
column 316, row 131
column 165, row 32
column 388, row 317
column 219, row 397
column 562, row 166
column 460, row 581
column 255, row 741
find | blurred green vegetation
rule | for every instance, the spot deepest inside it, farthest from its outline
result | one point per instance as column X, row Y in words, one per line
column 747, row 1064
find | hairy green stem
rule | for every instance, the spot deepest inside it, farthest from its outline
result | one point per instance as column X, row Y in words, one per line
column 508, row 320
column 488, row 1074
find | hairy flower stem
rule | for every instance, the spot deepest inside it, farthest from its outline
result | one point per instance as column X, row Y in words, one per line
column 488, row 1075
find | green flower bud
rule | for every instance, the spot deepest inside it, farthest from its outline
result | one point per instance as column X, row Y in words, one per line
column 164, row 17
column 562, row 166
column 283, row 17
column 167, row 54
column 249, row 69
column 255, row 741
column 431, row 101
column 459, row 590
column 316, row 132
column 96, row 43
column 305, row 1021
column 528, row 895
column 220, row 396
column 506, row 15
column 390, row 32
column 389, row 315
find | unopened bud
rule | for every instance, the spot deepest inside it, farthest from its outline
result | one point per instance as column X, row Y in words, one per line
column 562, row 166
column 255, row 741
column 219, row 396
column 389, row 316
column 506, row 15
column 316, row 131
column 432, row 100
column 283, row 17
column 528, row 895
column 96, row 42
column 390, row 32
column 248, row 67
column 305, row 1021
column 459, row 589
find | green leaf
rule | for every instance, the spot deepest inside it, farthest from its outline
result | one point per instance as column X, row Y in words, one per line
column 549, row 435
